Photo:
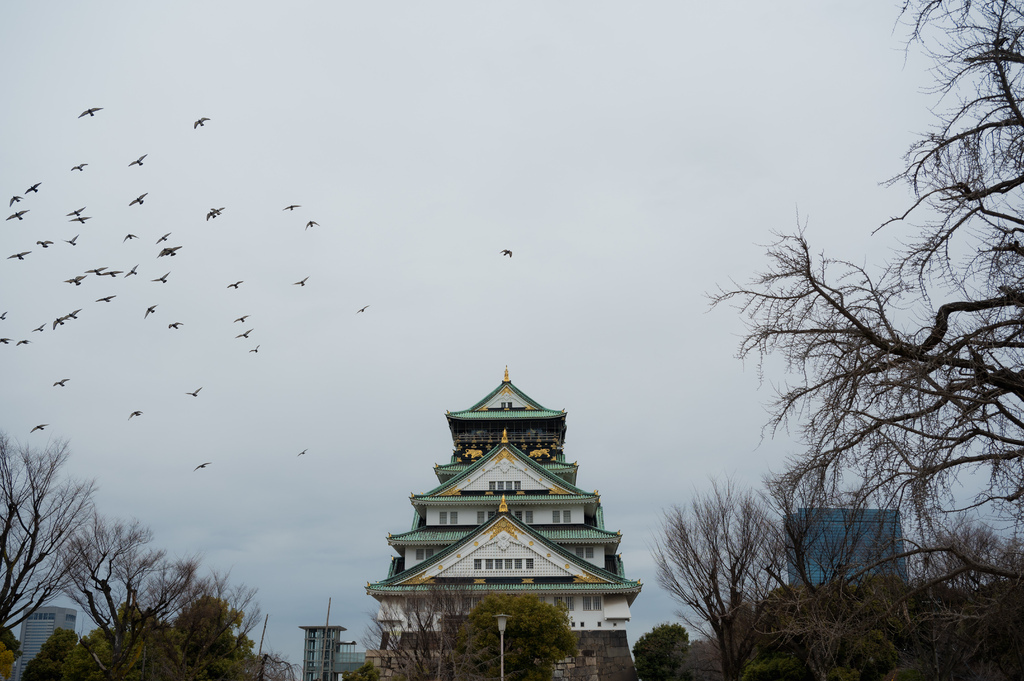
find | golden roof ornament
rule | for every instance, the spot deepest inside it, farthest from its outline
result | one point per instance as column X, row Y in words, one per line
column 504, row 435
column 506, row 374
column 503, row 507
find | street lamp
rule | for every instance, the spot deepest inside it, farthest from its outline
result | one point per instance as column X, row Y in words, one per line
column 501, row 632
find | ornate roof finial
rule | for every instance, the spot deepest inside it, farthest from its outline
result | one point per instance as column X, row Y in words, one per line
column 503, row 508
column 506, row 374
column 504, row 435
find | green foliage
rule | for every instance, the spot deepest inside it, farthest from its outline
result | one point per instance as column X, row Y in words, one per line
column 365, row 673
column 843, row 674
column 48, row 663
column 205, row 641
column 6, row 661
column 79, row 665
column 536, row 637
column 9, row 642
column 777, row 667
column 660, row 654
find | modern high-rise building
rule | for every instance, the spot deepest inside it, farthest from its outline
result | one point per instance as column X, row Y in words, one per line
column 829, row 543
column 36, row 629
column 506, row 516
column 325, row 656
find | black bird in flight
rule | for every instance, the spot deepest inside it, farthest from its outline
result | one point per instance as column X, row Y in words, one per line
column 138, row 161
column 19, row 256
column 292, row 207
column 76, row 213
column 170, row 250
column 241, row 319
column 25, row 342
column 61, row 382
column 303, row 452
column 72, row 241
column 149, row 310
column 45, row 244
column 134, row 413
column 311, row 223
column 77, row 281
column 41, row 426
column 80, row 166
column 138, row 199
column 244, row 335
column 19, row 214
column 255, row 349
column 132, row 272
column 235, row 285
column 39, row 329
column 14, row 200
column 362, row 309
column 163, row 238
column 196, row 393
column 214, row 212
column 33, row 188
column 106, row 299
column 81, row 218
column 91, row 112
column 300, row 283
column 507, row 252
column 163, row 279
column 174, row 325
column 202, row 465
column 130, row 236
column 200, row 123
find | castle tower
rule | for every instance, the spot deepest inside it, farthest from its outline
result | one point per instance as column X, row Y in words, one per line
column 507, row 516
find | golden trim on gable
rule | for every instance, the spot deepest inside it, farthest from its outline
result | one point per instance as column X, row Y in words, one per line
column 504, row 525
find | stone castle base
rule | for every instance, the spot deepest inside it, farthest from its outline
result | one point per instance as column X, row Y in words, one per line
column 602, row 656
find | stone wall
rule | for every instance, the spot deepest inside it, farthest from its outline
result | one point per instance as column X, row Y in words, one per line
column 602, row 656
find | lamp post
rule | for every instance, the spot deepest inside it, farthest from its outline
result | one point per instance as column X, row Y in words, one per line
column 501, row 633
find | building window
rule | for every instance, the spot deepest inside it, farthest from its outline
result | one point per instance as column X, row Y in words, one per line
column 479, row 517
column 519, row 563
column 419, row 554
column 430, row 552
column 584, row 551
column 518, row 515
column 490, row 564
column 442, row 518
column 490, row 514
column 529, row 563
column 570, row 602
column 492, row 485
column 556, row 516
column 508, row 485
column 477, row 563
column 566, row 516
column 455, row 517
column 591, row 602
column 529, row 517
column 508, row 563
column 519, row 484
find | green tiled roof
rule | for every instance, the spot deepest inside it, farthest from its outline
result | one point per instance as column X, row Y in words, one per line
column 613, row 581
column 496, row 414
column 625, row 586
column 519, row 454
column 523, row 396
column 569, row 533
column 512, row 499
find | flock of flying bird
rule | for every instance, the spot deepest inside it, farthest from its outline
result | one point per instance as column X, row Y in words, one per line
column 21, row 214
column 77, row 280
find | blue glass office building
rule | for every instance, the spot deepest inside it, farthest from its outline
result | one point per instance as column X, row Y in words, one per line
column 829, row 543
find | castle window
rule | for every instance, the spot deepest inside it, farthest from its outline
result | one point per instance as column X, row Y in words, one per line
column 490, row 563
column 508, row 563
column 442, row 518
column 529, row 517
column 556, row 516
column 519, row 563
column 477, row 563
column 492, row 485
column 479, row 517
column 519, row 484
column 529, row 563
column 455, row 517
column 566, row 516
column 518, row 515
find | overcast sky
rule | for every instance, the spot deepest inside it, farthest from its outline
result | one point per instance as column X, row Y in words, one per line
column 633, row 156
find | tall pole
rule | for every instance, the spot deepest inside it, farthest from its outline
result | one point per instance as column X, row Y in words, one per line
column 502, row 619
column 325, row 675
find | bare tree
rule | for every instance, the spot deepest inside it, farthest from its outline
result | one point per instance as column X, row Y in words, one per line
column 417, row 635
column 41, row 511
column 908, row 378
column 711, row 557
column 125, row 587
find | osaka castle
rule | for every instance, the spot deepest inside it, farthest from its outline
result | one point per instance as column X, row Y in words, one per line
column 506, row 516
